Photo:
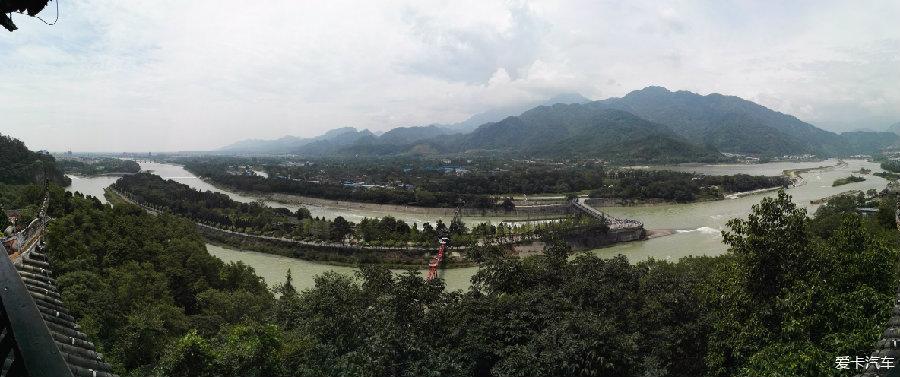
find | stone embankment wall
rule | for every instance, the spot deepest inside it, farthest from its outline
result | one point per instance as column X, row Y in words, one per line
column 614, row 236
column 350, row 254
column 522, row 210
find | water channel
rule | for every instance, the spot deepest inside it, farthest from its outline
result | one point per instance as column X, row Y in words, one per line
column 697, row 225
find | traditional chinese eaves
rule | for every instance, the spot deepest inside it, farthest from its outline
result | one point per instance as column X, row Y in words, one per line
column 31, row 7
column 888, row 347
column 77, row 351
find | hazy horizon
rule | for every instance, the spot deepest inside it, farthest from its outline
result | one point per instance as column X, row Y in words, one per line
column 174, row 76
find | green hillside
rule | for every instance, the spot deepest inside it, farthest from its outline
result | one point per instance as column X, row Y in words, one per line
column 585, row 131
column 714, row 118
column 18, row 165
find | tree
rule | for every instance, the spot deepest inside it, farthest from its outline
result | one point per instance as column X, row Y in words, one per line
column 771, row 246
column 191, row 356
column 249, row 351
column 340, row 228
column 508, row 204
column 287, row 288
column 303, row 213
column 4, row 221
column 457, row 226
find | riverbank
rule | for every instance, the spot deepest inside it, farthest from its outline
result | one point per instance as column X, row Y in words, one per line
column 521, row 212
column 81, row 176
column 526, row 207
column 546, row 209
column 795, row 174
column 618, row 202
column 580, row 237
column 338, row 254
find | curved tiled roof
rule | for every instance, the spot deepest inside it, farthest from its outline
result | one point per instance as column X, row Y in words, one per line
column 77, row 351
column 38, row 336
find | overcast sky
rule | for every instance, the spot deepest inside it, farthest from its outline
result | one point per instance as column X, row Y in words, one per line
column 158, row 75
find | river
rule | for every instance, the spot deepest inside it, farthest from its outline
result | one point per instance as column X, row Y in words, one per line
column 273, row 268
column 179, row 174
column 697, row 225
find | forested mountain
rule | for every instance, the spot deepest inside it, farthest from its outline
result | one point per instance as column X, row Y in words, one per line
column 407, row 135
column 363, row 141
column 498, row 114
column 337, row 142
column 582, row 130
column 682, row 126
column 18, row 165
column 895, row 128
column 713, row 118
column 290, row 144
column 868, row 142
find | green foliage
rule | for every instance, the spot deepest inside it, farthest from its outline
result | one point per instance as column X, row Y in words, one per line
column 97, row 166
column 210, row 207
column 190, row 356
column 20, row 166
column 4, row 221
column 138, row 282
column 892, row 166
column 733, row 124
column 584, row 131
column 790, row 295
column 680, row 187
column 816, row 288
column 771, row 263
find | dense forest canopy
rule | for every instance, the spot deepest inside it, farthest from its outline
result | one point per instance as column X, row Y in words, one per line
column 892, row 166
column 97, row 165
column 18, row 165
column 157, row 304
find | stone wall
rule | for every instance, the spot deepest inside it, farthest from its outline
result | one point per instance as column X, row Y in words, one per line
column 587, row 242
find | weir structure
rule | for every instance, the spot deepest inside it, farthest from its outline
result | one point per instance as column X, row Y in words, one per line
column 39, row 338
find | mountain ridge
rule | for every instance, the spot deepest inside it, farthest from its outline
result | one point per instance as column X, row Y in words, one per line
column 695, row 117
column 397, row 135
column 700, row 125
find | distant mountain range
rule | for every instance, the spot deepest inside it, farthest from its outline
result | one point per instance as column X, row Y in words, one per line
column 580, row 130
column 651, row 124
column 397, row 136
column 895, row 128
column 498, row 114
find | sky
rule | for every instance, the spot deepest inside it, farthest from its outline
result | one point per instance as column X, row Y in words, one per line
column 166, row 75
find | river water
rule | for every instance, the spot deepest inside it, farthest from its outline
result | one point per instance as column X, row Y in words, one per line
column 179, row 174
column 697, row 225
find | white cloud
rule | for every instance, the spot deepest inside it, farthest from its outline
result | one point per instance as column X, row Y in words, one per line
column 176, row 75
